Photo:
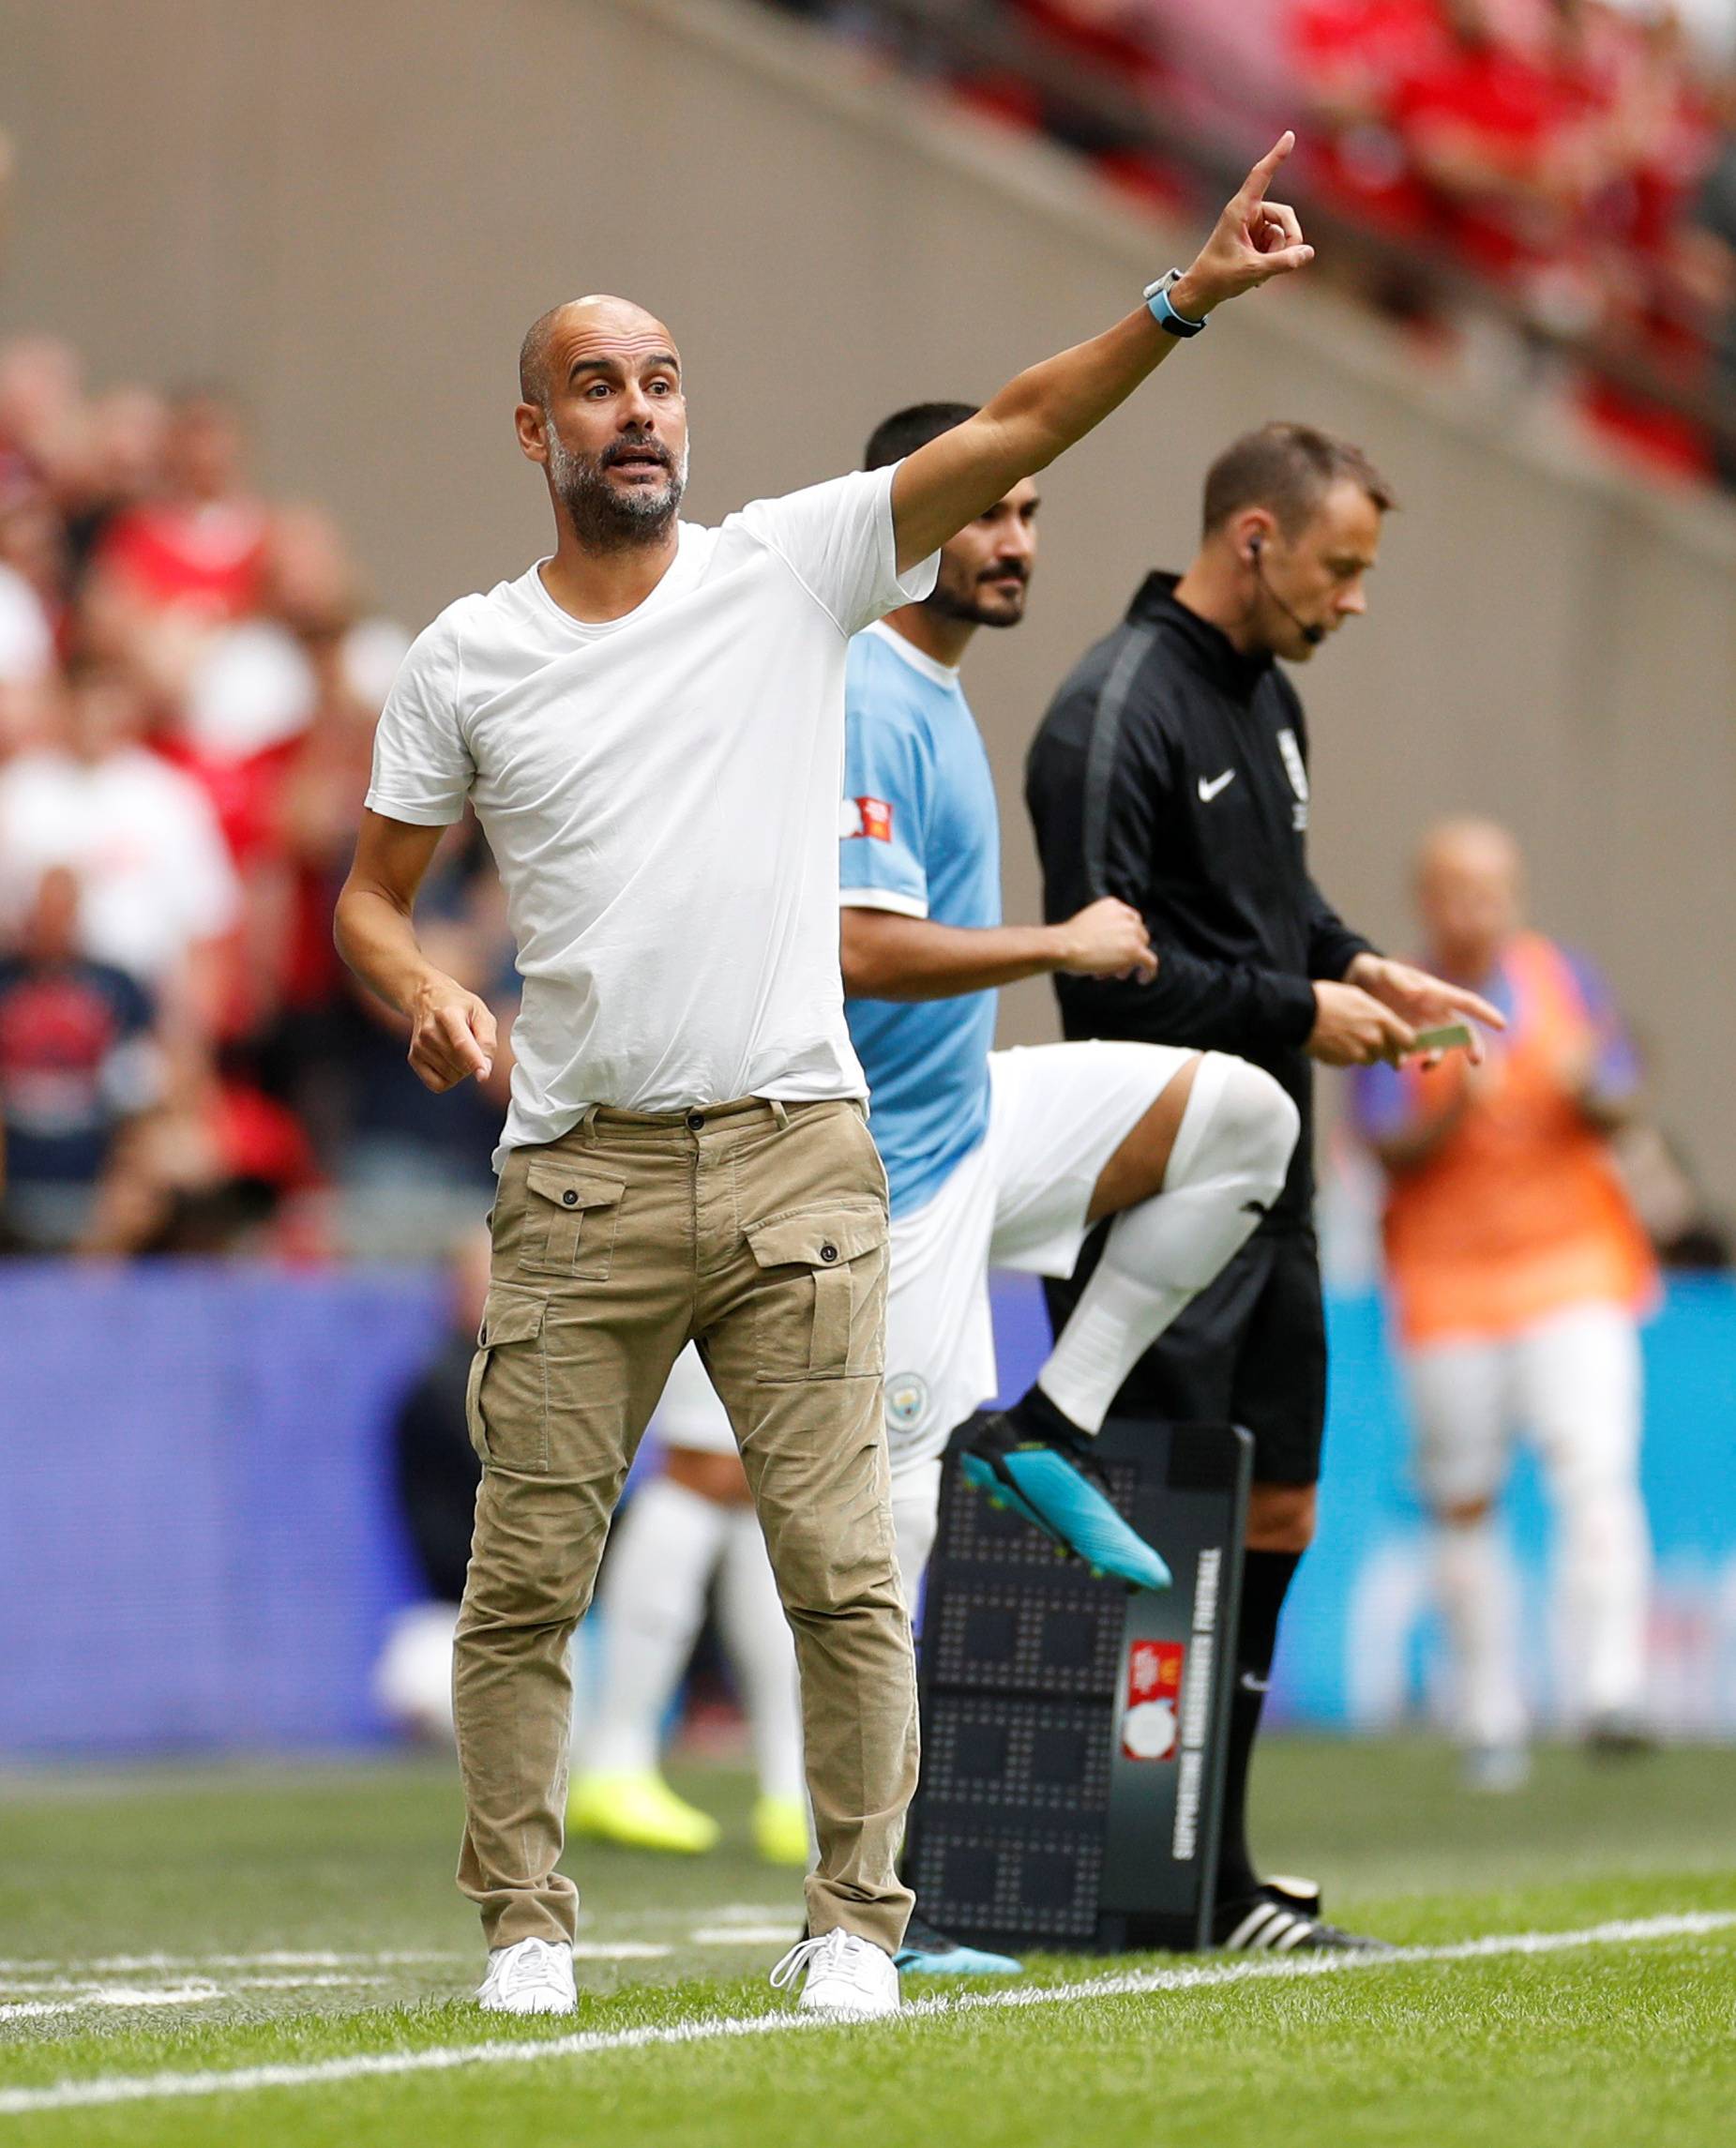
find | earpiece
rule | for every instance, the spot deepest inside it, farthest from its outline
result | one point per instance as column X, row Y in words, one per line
column 1312, row 635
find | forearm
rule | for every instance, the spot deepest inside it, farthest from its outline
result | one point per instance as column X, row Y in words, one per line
column 376, row 937
column 1050, row 407
column 1040, row 414
column 1206, row 1005
column 898, row 957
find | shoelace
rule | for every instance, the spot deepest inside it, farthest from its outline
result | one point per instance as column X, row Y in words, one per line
column 837, row 1953
column 532, row 1963
column 798, row 1958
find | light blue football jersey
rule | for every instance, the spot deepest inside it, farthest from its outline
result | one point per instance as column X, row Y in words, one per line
column 921, row 835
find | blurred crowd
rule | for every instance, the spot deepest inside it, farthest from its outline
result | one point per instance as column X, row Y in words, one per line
column 190, row 676
column 1578, row 155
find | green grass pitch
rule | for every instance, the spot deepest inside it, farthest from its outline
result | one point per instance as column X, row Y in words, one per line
column 295, row 1932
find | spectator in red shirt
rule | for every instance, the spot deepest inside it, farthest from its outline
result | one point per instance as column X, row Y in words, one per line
column 201, row 546
column 1352, row 56
column 121, row 467
column 1508, row 141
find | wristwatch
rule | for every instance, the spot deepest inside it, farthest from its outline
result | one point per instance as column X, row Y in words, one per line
column 1165, row 316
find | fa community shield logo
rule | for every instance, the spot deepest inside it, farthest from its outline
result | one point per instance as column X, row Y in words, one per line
column 907, row 1397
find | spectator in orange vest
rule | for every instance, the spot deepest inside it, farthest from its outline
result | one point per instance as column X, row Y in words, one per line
column 1518, row 1272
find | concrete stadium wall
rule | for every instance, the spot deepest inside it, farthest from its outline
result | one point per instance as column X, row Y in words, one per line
column 351, row 210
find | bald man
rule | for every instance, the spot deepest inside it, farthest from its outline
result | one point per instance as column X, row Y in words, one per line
column 1518, row 1270
column 650, row 723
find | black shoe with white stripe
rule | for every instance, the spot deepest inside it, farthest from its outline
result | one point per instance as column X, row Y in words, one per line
column 1283, row 1916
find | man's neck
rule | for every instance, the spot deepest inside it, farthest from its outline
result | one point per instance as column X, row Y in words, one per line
column 599, row 587
column 944, row 640
column 1211, row 590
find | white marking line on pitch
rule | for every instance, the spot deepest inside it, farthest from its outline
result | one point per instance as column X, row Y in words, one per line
column 34, row 2009
column 242, row 2081
column 123, row 1963
column 66, row 1998
column 32, row 1975
column 741, row 1934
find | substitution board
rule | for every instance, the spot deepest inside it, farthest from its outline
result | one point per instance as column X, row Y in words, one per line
column 1074, row 1730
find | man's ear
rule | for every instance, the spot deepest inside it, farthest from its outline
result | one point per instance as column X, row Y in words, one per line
column 1250, row 534
column 530, row 421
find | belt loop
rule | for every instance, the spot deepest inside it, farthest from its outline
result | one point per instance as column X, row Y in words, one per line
column 780, row 1117
column 587, row 1122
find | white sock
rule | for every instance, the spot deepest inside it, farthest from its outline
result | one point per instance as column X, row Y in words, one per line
column 1605, row 1567
column 915, row 1523
column 1231, row 1152
column 1474, row 1577
column 762, row 1655
column 652, row 1599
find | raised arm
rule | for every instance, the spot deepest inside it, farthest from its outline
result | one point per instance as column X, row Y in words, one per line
column 1041, row 414
column 452, row 1034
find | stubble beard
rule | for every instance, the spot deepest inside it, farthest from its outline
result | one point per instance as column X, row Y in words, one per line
column 603, row 517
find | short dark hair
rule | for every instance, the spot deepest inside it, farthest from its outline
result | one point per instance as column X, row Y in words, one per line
column 906, row 430
column 1288, row 469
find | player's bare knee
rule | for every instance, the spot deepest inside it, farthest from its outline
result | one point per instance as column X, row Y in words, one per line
column 1281, row 1517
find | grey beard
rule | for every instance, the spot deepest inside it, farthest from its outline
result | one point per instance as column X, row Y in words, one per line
column 604, row 520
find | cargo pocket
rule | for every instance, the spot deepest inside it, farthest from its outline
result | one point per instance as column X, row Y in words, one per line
column 507, row 1397
column 569, row 1222
column 820, row 1311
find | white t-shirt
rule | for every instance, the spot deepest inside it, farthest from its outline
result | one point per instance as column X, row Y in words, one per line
column 153, row 872
column 26, row 640
column 251, row 687
column 660, row 795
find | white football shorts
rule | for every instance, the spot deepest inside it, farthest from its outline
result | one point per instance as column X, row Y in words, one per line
column 1571, row 1382
column 1057, row 1113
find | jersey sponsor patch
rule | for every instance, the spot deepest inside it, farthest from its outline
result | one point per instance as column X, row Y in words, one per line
column 1150, row 1724
column 865, row 817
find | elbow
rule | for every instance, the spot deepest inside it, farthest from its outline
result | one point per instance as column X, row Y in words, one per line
column 864, row 979
column 346, row 921
column 339, row 920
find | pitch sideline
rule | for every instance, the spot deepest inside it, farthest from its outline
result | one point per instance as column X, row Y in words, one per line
column 74, row 2095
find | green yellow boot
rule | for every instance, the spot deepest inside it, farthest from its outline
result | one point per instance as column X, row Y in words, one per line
column 641, row 1811
column 780, row 1831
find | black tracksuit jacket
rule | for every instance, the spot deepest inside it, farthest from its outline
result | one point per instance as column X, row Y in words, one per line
column 1172, row 772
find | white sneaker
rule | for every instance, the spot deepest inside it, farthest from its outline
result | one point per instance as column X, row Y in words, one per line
column 845, row 1975
column 535, row 1976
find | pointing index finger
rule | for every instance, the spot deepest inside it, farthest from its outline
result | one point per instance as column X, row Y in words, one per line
column 1470, row 1004
column 1260, row 178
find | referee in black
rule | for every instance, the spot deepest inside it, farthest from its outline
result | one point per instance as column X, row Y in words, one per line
column 1171, row 770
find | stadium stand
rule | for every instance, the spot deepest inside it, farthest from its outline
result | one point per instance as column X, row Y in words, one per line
column 1538, row 185
column 189, row 679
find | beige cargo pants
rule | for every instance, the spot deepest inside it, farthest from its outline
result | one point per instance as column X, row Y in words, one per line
column 759, row 1230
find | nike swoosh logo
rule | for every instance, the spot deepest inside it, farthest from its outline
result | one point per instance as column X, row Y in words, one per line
column 1209, row 790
